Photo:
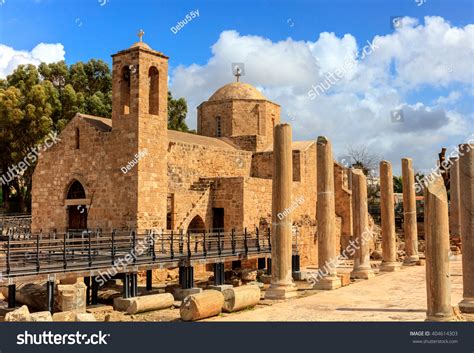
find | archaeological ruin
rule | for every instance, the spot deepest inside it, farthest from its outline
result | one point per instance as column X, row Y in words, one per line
column 129, row 217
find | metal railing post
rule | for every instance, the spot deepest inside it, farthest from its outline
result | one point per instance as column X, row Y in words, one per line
column 204, row 248
column 219, row 250
column 112, row 250
column 189, row 245
column 8, row 254
column 37, row 253
column 134, row 243
column 90, row 248
column 258, row 239
column 64, row 251
column 246, row 247
column 171, row 245
column 233, row 241
column 153, row 253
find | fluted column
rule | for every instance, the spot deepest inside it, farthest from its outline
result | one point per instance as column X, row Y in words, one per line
column 362, row 233
column 409, row 213
column 326, row 217
column 282, row 285
column 466, row 178
column 437, row 252
column 387, row 207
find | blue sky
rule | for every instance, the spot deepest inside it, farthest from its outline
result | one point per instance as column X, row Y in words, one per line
column 425, row 67
column 89, row 30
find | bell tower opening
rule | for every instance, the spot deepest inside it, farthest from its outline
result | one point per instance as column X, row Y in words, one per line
column 154, row 94
column 125, row 90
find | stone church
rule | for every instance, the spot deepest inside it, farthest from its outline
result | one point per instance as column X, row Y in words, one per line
column 131, row 172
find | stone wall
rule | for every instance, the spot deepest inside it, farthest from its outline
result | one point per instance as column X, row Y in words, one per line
column 240, row 118
column 262, row 165
column 343, row 203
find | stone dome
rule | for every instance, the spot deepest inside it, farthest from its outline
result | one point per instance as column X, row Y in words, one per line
column 237, row 90
column 141, row 45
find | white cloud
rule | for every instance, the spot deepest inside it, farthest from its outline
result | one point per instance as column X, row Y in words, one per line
column 356, row 109
column 43, row 52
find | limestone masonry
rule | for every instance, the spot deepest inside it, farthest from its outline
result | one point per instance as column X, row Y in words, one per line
column 217, row 179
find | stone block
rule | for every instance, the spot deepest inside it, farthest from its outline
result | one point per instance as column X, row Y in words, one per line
column 41, row 316
column 345, row 279
column 100, row 308
column 180, row 293
column 85, row 317
column 72, row 297
column 64, row 316
column 21, row 314
column 328, row 283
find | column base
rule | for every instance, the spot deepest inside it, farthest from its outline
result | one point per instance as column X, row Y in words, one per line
column 281, row 292
column 467, row 305
column 300, row 275
column 328, row 283
column 411, row 260
column 390, row 266
column 441, row 318
column 362, row 274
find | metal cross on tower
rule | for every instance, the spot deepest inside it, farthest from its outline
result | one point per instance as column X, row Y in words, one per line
column 141, row 34
column 238, row 73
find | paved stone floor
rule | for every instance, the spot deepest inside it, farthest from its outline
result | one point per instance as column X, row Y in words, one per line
column 399, row 296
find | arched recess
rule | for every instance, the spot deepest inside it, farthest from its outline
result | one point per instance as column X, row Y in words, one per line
column 77, row 205
column 125, row 90
column 76, row 191
column 153, row 94
column 196, row 225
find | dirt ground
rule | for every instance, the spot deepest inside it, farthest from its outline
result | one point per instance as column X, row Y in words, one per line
column 398, row 296
column 395, row 296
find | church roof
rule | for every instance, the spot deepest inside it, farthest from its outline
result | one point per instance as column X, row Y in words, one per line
column 296, row 145
column 105, row 125
column 237, row 90
column 186, row 137
column 102, row 124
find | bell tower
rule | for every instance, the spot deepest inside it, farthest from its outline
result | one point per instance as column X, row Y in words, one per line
column 139, row 127
column 139, row 82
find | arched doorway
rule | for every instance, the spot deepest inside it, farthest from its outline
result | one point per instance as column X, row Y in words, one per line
column 77, row 213
column 196, row 225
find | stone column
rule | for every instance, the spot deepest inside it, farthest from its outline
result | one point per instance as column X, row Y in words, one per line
column 282, row 285
column 455, row 195
column 326, row 216
column 466, row 178
column 409, row 213
column 362, row 233
column 437, row 252
column 387, row 207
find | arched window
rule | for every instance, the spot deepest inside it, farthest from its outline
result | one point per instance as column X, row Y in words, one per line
column 76, row 191
column 78, row 139
column 125, row 90
column 153, row 95
column 218, row 127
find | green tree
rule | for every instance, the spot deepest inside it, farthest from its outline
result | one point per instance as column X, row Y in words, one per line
column 397, row 184
column 177, row 111
column 35, row 101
